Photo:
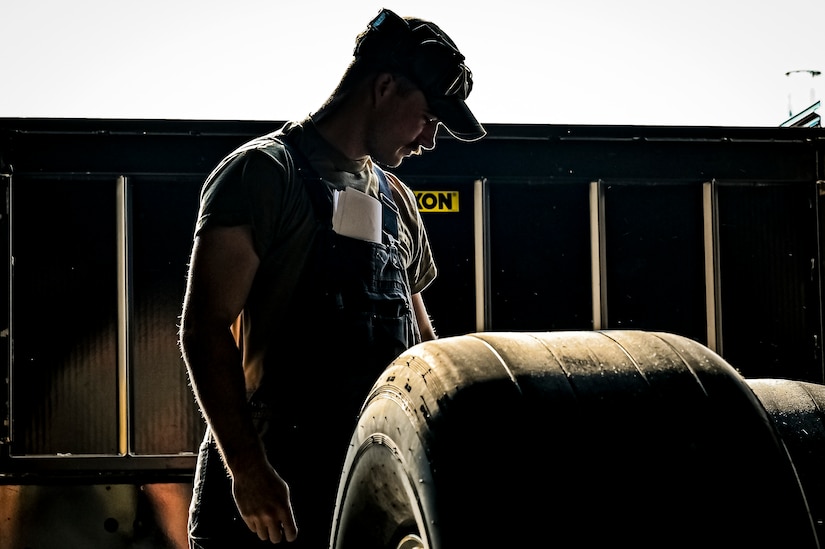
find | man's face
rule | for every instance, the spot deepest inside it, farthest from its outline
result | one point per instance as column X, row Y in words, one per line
column 402, row 125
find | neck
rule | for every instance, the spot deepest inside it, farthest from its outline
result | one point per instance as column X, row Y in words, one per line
column 344, row 130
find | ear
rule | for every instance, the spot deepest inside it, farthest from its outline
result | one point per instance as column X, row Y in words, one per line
column 383, row 85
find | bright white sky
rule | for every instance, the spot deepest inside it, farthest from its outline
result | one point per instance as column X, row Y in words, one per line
column 629, row 62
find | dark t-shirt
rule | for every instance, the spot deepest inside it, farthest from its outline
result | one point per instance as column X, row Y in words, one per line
column 255, row 186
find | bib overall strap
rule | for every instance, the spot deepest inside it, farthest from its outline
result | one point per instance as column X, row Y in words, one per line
column 389, row 209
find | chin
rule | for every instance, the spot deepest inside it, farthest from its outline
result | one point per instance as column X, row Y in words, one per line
column 393, row 162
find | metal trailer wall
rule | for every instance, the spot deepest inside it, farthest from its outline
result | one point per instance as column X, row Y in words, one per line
column 710, row 233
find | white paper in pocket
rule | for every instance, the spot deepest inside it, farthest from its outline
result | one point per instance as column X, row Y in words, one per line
column 356, row 214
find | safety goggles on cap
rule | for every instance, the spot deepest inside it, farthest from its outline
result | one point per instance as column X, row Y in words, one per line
column 426, row 55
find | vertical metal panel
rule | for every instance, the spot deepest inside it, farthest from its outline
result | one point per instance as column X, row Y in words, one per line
column 540, row 255
column 481, row 250
column 711, row 246
column 164, row 416
column 820, row 324
column 451, row 298
column 769, row 278
column 5, row 302
column 124, row 298
column 597, row 254
column 655, row 257
column 65, row 317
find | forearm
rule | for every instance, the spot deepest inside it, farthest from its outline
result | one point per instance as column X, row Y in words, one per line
column 215, row 371
column 422, row 317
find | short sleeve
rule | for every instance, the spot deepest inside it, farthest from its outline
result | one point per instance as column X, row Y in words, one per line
column 247, row 189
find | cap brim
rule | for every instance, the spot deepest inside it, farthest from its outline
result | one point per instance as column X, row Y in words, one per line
column 457, row 118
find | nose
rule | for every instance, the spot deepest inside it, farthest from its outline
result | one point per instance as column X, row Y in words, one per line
column 426, row 139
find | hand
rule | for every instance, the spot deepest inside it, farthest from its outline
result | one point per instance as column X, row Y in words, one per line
column 263, row 500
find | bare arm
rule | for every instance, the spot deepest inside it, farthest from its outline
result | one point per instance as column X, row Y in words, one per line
column 222, row 267
column 425, row 326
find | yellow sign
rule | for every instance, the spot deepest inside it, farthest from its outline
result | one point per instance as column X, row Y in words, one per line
column 437, row 201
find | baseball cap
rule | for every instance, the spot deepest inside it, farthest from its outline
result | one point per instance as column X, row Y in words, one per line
column 422, row 52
